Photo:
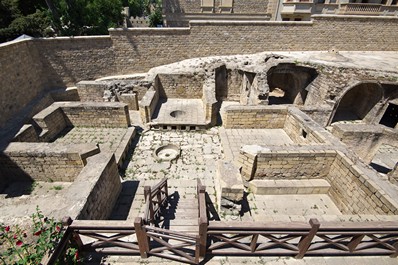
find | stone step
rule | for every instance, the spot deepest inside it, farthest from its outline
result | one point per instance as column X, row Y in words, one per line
column 302, row 186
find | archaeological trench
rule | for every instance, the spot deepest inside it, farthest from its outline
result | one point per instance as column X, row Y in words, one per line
column 275, row 137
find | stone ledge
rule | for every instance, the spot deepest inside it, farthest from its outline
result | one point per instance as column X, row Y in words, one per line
column 304, row 186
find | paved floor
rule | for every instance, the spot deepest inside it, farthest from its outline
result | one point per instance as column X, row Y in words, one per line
column 107, row 138
column 199, row 154
column 233, row 139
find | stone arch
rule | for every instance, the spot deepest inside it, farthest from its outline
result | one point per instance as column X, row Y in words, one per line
column 357, row 101
column 290, row 82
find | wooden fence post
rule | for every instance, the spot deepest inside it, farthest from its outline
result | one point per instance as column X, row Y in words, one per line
column 306, row 240
column 197, row 250
column 142, row 238
column 202, row 236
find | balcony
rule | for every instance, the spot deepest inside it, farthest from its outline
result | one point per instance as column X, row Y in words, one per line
column 359, row 9
column 297, row 7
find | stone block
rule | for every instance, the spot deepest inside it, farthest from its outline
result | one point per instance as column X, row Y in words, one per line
column 229, row 183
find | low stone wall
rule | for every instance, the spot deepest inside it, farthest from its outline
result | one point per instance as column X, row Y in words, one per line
column 91, row 114
column 291, row 163
column 148, row 105
column 180, row 85
column 302, row 129
column 52, row 121
column 101, row 179
column 354, row 192
column 91, row 90
column 43, row 161
column 354, row 188
column 365, row 139
column 254, row 117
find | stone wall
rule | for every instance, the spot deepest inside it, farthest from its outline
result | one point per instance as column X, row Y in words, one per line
column 21, row 71
column 92, row 114
column 250, row 6
column 40, row 64
column 52, row 121
column 194, row 6
column 180, row 85
column 43, row 161
column 91, row 90
column 136, row 48
column 68, row 60
column 101, row 178
column 294, row 163
column 365, row 139
column 354, row 192
column 254, row 117
column 301, row 129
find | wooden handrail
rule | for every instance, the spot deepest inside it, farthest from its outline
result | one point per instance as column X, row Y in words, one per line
column 203, row 220
column 155, row 197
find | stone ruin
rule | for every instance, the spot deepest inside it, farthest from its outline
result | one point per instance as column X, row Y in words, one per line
column 313, row 128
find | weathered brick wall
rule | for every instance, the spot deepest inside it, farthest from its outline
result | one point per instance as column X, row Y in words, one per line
column 296, row 163
column 52, row 121
column 352, row 189
column 42, row 161
column 21, row 71
column 254, row 117
column 104, row 191
column 251, row 6
column 181, row 6
column 92, row 114
column 91, row 90
column 180, row 85
column 68, row 60
column 301, row 129
column 354, row 192
column 193, row 6
column 35, row 65
column 207, row 38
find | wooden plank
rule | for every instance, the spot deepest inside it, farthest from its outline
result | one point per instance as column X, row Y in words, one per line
column 186, row 240
column 169, row 232
column 355, row 242
column 260, row 226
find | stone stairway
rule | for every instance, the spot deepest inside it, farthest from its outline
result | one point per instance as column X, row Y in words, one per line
column 181, row 214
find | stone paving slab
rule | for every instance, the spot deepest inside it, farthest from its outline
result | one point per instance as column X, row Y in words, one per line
column 233, row 139
column 107, row 138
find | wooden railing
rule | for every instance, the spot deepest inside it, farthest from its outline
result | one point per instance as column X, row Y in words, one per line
column 299, row 239
column 103, row 236
column 173, row 245
column 358, row 8
column 203, row 220
column 225, row 238
column 155, row 198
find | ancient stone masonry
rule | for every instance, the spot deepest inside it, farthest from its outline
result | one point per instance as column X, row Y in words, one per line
column 43, row 161
column 60, row 62
column 276, row 137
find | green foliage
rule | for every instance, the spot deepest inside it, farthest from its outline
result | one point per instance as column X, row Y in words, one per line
column 19, row 17
column 19, row 246
column 155, row 18
column 82, row 17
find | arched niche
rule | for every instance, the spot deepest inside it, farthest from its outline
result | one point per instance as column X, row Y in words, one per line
column 357, row 101
column 287, row 83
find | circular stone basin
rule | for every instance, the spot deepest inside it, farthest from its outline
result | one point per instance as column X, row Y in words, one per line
column 167, row 152
column 177, row 113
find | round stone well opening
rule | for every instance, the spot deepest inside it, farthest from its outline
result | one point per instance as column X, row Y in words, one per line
column 167, row 152
column 177, row 113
